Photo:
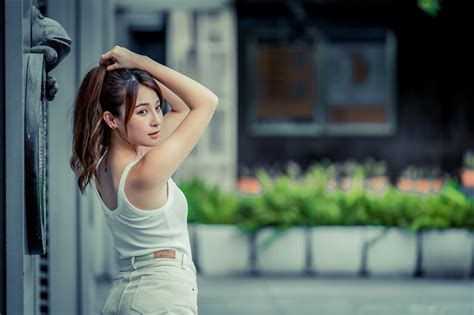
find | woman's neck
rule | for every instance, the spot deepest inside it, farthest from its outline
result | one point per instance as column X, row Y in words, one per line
column 119, row 144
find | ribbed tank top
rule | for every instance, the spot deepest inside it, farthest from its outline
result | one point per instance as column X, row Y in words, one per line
column 139, row 232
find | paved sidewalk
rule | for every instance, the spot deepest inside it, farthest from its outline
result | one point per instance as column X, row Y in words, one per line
column 324, row 296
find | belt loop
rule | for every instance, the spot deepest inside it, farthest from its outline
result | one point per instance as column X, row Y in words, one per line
column 182, row 260
column 133, row 263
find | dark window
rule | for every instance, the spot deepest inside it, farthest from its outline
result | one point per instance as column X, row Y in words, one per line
column 334, row 81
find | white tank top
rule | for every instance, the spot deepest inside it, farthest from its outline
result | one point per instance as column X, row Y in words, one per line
column 139, row 232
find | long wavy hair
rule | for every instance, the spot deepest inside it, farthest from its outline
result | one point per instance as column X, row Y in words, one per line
column 101, row 91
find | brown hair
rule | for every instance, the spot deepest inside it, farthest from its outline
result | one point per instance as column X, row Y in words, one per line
column 101, row 91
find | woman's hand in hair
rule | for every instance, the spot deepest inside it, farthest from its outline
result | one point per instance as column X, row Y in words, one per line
column 120, row 57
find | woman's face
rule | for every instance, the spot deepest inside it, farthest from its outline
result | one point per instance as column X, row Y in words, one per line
column 145, row 124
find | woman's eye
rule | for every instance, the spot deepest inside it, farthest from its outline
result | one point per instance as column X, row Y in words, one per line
column 142, row 112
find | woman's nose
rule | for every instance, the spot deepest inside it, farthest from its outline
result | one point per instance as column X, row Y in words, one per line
column 157, row 117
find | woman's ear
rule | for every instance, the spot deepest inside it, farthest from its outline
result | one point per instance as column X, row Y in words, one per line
column 109, row 119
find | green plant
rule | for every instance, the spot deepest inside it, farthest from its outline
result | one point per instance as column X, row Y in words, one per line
column 207, row 204
column 250, row 208
column 449, row 209
column 195, row 190
column 374, row 169
column 432, row 7
column 280, row 201
column 297, row 199
column 393, row 208
column 468, row 159
column 410, row 172
column 414, row 172
column 434, row 172
column 351, row 168
column 354, row 206
column 319, row 202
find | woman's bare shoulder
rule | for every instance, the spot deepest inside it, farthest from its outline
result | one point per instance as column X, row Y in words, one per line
column 144, row 177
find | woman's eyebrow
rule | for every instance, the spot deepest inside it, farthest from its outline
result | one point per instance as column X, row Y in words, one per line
column 146, row 104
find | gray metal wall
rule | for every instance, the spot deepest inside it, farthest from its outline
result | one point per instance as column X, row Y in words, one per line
column 72, row 225
column 62, row 204
column 20, row 267
column 73, row 222
column 2, row 164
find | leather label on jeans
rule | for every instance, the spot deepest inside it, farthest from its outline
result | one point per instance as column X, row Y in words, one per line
column 165, row 254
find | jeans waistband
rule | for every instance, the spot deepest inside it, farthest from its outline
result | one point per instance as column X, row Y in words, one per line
column 170, row 255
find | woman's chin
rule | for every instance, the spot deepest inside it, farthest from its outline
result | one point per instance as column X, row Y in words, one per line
column 152, row 144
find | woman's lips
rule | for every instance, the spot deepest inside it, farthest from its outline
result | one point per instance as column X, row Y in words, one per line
column 154, row 135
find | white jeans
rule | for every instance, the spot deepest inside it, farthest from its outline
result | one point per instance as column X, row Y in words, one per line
column 155, row 286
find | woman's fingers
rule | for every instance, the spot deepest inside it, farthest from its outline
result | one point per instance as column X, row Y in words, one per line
column 118, row 57
column 113, row 67
column 111, row 56
column 114, row 51
column 107, row 57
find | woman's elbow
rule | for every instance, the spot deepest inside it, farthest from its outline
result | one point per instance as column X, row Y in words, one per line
column 214, row 100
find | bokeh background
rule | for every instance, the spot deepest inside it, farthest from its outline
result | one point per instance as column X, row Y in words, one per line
column 333, row 178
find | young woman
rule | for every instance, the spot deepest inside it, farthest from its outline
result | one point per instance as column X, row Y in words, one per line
column 124, row 144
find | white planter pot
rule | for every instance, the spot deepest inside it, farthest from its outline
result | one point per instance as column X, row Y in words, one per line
column 337, row 250
column 222, row 250
column 447, row 253
column 281, row 252
column 391, row 252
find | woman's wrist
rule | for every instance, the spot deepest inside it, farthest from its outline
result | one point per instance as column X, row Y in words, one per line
column 144, row 63
column 140, row 62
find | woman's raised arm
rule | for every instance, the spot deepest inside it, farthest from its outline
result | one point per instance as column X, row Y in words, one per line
column 179, row 111
column 157, row 166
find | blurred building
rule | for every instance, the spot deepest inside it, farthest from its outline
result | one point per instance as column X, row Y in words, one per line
column 345, row 80
column 199, row 40
column 297, row 80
